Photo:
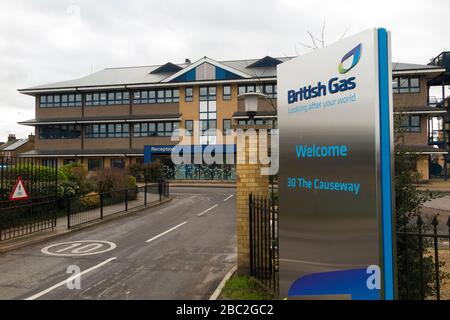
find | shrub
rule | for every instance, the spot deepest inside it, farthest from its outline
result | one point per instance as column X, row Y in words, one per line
column 153, row 171
column 36, row 172
column 408, row 207
column 108, row 180
column 136, row 170
column 77, row 173
column 90, row 200
column 40, row 180
column 67, row 189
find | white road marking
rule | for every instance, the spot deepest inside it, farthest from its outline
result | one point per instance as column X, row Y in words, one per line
column 207, row 210
column 78, row 248
column 188, row 194
column 71, row 278
column 228, row 198
column 166, row 232
column 312, row 263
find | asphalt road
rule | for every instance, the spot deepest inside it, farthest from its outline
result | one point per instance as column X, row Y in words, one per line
column 180, row 250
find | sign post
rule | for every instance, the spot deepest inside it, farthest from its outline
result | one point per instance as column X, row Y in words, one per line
column 336, row 167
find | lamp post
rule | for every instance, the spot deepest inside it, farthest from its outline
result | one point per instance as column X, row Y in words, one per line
column 250, row 181
column 251, row 104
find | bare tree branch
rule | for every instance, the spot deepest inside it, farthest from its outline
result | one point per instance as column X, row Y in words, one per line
column 323, row 33
column 344, row 34
column 307, row 46
column 312, row 39
column 286, row 56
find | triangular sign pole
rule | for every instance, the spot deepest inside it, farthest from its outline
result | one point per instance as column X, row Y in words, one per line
column 19, row 191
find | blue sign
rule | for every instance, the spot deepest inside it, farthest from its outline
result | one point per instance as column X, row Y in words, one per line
column 150, row 150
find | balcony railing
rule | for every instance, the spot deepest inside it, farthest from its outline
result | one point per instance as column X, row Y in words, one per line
column 442, row 60
column 436, row 137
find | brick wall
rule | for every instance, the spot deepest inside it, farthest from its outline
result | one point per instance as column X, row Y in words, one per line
column 249, row 180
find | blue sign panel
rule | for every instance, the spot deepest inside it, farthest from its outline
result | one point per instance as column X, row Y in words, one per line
column 150, row 150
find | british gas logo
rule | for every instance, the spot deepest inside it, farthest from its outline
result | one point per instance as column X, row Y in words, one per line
column 354, row 56
column 333, row 85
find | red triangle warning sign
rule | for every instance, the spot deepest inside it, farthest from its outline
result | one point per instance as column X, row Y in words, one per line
column 19, row 191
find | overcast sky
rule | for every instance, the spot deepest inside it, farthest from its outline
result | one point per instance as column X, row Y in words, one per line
column 44, row 41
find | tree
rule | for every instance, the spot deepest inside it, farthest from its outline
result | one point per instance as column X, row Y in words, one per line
column 408, row 206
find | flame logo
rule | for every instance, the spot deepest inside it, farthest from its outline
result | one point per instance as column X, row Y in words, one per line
column 356, row 53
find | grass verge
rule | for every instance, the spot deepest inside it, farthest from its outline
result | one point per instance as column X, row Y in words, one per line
column 245, row 288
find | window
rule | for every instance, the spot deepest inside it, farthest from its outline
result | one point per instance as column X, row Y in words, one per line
column 68, row 161
column 156, row 96
column 61, row 100
column 189, row 127
column 414, row 85
column 208, row 110
column 189, row 94
column 110, row 130
column 53, row 132
column 160, row 96
column 118, row 163
column 271, row 122
column 175, row 129
column 270, row 90
column 208, row 115
column 107, row 98
column 208, row 121
column 168, row 96
column 410, row 124
column 160, row 129
column 247, row 88
column 226, row 92
column 208, row 93
column 103, row 129
column 227, row 127
column 95, row 164
column 406, row 85
column 395, row 85
column 49, row 163
column 154, row 129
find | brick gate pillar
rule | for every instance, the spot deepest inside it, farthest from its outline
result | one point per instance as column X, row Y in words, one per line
column 249, row 181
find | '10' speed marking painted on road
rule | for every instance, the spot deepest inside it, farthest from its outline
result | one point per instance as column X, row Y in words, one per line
column 78, row 248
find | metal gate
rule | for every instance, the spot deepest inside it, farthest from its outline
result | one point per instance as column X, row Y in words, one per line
column 422, row 253
column 38, row 212
column 264, row 249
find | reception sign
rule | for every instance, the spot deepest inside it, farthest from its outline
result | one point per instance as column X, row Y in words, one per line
column 336, row 151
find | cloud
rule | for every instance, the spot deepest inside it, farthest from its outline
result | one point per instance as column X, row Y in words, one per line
column 47, row 41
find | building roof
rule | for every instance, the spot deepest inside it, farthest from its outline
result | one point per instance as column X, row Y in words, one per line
column 400, row 66
column 127, row 76
column 13, row 145
column 266, row 62
column 246, row 69
column 169, row 68
column 6, row 144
